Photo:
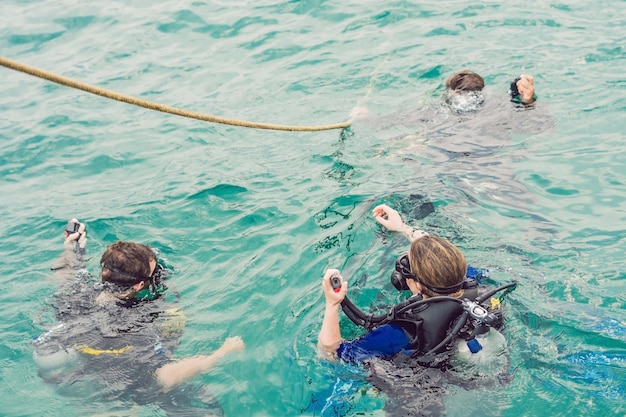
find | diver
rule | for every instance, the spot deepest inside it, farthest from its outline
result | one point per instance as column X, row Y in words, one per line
column 445, row 306
column 465, row 94
column 115, row 338
column 473, row 139
column 464, row 91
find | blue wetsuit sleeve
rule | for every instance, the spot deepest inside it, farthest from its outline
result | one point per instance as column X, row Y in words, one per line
column 476, row 273
column 382, row 342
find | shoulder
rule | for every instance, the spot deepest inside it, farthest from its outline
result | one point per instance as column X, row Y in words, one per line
column 384, row 341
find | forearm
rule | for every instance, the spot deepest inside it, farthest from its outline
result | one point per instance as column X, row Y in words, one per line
column 174, row 373
column 71, row 259
column 73, row 256
column 329, row 337
column 391, row 220
column 412, row 233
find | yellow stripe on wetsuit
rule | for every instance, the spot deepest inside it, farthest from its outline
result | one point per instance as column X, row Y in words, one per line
column 91, row 351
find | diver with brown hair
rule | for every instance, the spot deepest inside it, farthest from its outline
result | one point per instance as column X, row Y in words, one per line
column 464, row 91
column 115, row 336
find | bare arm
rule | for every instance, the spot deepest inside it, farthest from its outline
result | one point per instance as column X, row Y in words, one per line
column 73, row 255
column 329, row 337
column 174, row 373
column 391, row 220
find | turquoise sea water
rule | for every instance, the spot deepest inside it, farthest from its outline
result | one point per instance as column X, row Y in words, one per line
column 250, row 219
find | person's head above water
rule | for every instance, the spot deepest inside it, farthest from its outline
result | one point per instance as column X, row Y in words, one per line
column 464, row 92
column 127, row 263
column 465, row 80
column 438, row 266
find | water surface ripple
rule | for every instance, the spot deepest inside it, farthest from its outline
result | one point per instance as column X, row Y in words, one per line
column 250, row 219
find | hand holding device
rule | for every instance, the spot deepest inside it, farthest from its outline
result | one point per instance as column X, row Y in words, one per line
column 72, row 227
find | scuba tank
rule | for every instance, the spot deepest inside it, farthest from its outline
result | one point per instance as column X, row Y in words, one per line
column 488, row 357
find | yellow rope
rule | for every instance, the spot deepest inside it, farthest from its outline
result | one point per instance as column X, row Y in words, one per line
column 160, row 107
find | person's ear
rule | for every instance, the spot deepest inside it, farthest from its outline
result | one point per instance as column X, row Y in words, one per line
column 139, row 286
column 414, row 286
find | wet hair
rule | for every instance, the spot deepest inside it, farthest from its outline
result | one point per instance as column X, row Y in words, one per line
column 437, row 263
column 465, row 80
column 126, row 263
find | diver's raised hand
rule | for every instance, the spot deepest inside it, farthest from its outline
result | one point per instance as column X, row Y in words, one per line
column 73, row 256
column 75, row 231
column 389, row 218
column 232, row 344
column 334, row 293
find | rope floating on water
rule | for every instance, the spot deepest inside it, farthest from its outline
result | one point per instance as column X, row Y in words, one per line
column 160, row 107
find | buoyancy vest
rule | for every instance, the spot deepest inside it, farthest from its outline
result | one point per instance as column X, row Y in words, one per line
column 427, row 325
column 431, row 323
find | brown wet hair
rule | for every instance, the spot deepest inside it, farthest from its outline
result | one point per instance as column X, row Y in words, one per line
column 126, row 263
column 465, row 80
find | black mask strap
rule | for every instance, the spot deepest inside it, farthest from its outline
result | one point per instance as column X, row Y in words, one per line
column 442, row 290
column 122, row 272
column 403, row 272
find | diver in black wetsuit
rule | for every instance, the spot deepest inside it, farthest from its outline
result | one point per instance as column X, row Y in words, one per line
column 414, row 332
column 115, row 338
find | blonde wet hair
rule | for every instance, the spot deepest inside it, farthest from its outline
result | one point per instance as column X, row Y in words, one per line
column 436, row 262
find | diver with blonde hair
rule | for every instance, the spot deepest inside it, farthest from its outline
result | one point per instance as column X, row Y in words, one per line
column 447, row 309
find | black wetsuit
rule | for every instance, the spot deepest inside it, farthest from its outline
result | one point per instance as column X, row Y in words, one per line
column 112, row 351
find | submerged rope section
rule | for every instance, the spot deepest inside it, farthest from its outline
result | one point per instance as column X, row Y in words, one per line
column 160, row 107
